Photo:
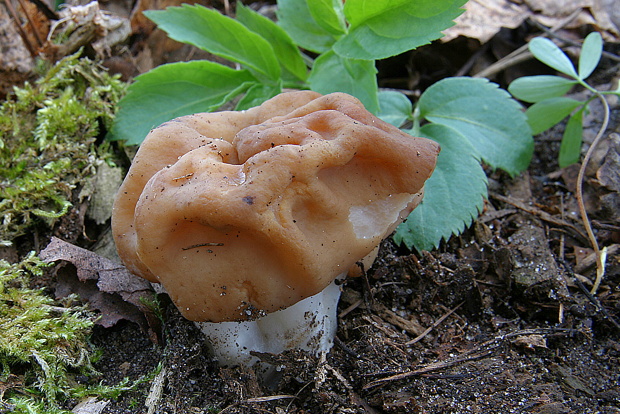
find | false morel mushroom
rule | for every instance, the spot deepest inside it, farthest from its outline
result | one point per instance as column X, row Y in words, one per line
column 247, row 218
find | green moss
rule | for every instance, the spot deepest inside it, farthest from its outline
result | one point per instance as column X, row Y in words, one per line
column 48, row 133
column 44, row 346
column 43, row 342
column 49, row 146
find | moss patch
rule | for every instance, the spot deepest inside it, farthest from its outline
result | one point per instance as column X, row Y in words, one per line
column 48, row 132
column 43, row 342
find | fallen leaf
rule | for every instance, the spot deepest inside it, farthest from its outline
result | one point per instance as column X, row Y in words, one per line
column 531, row 341
column 100, row 190
column 609, row 173
column 105, row 285
column 16, row 63
column 483, row 19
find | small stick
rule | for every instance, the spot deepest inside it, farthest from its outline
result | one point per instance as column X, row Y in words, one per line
column 433, row 326
column 481, row 351
column 522, row 53
column 543, row 215
column 22, row 33
column 30, row 22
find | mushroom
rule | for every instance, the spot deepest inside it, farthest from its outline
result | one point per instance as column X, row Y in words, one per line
column 248, row 219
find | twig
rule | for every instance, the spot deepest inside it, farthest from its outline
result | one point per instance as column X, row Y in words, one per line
column 543, row 215
column 522, row 53
column 387, row 315
column 590, row 260
column 269, row 398
column 22, row 33
column 258, row 400
column 350, row 308
column 505, row 62
column 433, row 326
column 481, row 351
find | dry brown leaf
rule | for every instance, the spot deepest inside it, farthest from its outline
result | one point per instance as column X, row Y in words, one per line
column 608, row 176
column 107, row 286
column 153, row 46
column 483, row 19
column 531, row 341
column 609, row 173
column 604, row 15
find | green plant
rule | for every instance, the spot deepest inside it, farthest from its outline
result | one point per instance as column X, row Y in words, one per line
column 48, row 132
column 550, row 107
column 546, row 92
column 472, row 119
column 268, row 55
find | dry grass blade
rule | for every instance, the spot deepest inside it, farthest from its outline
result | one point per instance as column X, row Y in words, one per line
column 434, row 325
column 258, row 400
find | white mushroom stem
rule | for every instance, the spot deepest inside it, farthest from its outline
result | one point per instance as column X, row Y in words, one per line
column 308, row 325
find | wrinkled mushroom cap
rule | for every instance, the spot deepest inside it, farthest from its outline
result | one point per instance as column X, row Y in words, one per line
column 242, row 213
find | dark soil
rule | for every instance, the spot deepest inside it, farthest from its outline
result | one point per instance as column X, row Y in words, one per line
column 498, row 352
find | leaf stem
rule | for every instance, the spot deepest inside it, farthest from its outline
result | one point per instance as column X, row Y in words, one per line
column 415, row 129
column 600, row 255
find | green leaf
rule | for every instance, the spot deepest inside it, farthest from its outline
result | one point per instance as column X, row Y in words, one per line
column 209, row 30
column 454, row 195
column 381, row 29
column 591, row 52
column 359, row 11
column 394, row 108
column 486, row 115
column 286, row 51
column 544, row 114
column 256, row 95
column 537, row 88
column 333, row 73
column 548, row 53
column 329, row 15
column 295, row 18
column 174, row 90
column 570, row 149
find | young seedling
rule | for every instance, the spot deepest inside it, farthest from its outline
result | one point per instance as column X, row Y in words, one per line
column 547, row 93
column 550, row 107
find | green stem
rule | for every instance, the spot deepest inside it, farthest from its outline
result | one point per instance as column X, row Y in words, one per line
column 600, row 255
column 415, row 129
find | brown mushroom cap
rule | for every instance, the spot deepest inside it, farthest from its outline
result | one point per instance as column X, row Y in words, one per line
column 240, row 213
